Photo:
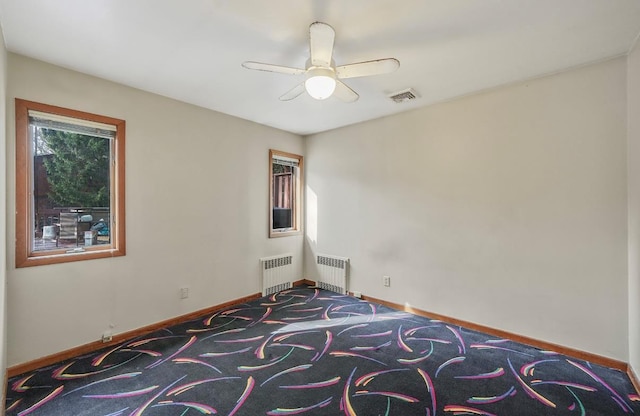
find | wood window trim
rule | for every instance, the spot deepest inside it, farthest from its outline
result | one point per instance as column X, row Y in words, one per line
column 25, row 257
column 297, row 203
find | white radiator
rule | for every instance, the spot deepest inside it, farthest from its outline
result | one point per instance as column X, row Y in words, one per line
column 333, row 273
column 277, row 273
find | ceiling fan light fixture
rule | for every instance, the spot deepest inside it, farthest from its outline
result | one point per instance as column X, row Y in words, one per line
column 321, row 83
column 322, row 77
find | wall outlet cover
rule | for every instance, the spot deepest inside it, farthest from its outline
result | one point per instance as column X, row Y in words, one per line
column 184, row 292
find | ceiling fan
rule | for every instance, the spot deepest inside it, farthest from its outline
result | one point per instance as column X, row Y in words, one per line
column 323, row 78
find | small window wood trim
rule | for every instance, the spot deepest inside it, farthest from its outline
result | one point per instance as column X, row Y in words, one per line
column 296, row 227
column 25, row 256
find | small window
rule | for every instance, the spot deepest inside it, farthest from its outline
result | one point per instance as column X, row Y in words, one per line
column 69, row 185
column 285, row 193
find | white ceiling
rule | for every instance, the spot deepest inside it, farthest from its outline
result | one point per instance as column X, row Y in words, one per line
column 192, row 50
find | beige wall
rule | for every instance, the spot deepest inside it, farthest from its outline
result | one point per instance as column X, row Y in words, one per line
column 3, row 216
column 633, row 111
column 196, row 203
column 506, row 208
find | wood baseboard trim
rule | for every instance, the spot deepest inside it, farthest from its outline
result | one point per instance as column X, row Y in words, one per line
column 634, row 379
column 544, row 345
column 304, row 282
column 120, row 338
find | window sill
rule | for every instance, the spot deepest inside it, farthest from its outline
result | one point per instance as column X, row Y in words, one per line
column 42, row 259
column 276, row 234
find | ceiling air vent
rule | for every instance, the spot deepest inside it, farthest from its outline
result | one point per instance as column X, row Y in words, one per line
column 404, row 95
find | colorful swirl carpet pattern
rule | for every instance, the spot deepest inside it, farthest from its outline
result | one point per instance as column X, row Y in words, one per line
column 311, row 352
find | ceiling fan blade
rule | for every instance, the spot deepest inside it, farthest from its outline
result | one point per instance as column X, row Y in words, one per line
column 344, row 93
column 321, row 37
column 364, row 69
column 273, row 68
column 293, row 93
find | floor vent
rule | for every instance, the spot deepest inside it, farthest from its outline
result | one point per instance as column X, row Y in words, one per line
column 404, row 95
column 277, row 273
column 333, row 273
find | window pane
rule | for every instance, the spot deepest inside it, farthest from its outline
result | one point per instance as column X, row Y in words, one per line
column 285, row 170
column 70, row 185
column 71, row 188
column 283, row 195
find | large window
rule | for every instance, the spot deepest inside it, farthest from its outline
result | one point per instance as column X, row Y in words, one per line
column 285, row 193
column 69, row 185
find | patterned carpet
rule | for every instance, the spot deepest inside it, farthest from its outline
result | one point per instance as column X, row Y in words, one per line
column 310, row 352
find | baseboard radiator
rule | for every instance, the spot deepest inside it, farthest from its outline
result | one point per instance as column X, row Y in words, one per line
column 277, row 273
column 333, row 272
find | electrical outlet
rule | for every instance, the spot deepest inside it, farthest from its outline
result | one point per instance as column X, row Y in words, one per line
column 107, row 336
column 386, row 281
column 357, row 295
column 184, row 292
